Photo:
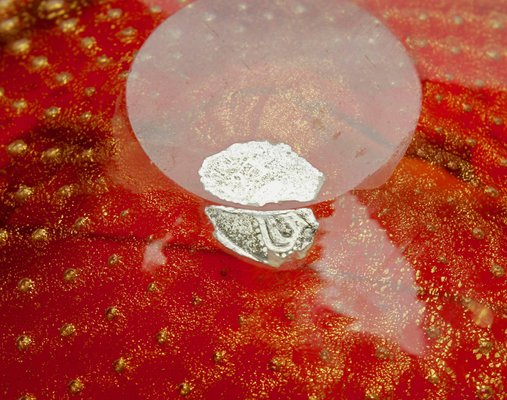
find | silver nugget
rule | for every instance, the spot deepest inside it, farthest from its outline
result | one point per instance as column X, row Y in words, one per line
column 269, row 237
column 258, row 173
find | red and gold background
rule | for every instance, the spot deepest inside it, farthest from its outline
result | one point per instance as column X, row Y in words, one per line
column 80, row 318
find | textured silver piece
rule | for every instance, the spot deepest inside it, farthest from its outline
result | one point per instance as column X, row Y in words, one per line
column 258, row 173
column 269, row 237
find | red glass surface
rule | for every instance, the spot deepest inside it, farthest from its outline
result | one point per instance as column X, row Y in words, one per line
column 112, row 286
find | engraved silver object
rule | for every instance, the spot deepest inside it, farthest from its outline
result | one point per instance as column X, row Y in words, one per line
column 269, row 237
column 258, row 173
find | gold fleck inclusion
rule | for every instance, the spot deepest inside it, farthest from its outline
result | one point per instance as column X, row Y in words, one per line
column 70, row 275
column 162, row 336
column 85, row 116
column 52, row 154
column 4, row 236
column 114, row 259
column 23, row 342
column 478, row 233
column 28, row 397
column 51, row 9
column 65, row 191
column 21, row 46
column 52, row 112
column 40, row 235
column 68, row 25
column 120, row 365
column 185, row 388
column 26, row 285
column 82, row 222
column 40, row 62
column 497, row 270
column 76, row 386
column 63, row 78
column 219, row 356
column 152, row 287
column 19, row 105
column 112, row 313
column 88, row 43
column 9, row 26
column 114, row 13
column 17, row 147
column 67, row 330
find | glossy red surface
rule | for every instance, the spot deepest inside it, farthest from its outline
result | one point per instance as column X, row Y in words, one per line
column 112, row 286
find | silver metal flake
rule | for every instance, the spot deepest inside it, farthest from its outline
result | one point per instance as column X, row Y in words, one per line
column 258, row 173
column 269, row 237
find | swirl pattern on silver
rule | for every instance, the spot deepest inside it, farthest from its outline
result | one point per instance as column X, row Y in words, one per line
column 269, row 237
